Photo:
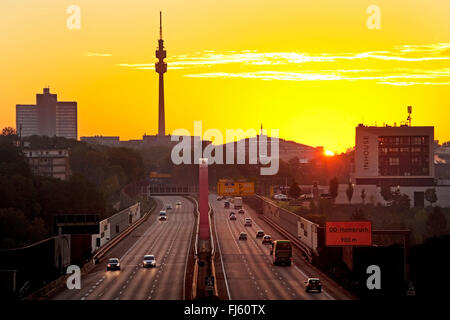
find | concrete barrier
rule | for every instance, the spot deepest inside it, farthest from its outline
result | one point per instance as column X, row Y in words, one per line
column 57, row 284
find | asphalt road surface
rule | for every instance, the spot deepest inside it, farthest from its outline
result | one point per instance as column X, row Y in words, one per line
column 249, row 271
column 168, row 240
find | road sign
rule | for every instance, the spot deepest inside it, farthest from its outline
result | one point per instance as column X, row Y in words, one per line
column 411, row 291
column 76, row 224
column 209, row 283
column 348, row 233
column 231, row 188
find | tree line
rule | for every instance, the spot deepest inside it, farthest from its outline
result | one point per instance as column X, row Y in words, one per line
column 29, row 202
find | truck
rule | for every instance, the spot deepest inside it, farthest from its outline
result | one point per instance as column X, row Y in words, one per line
column 281, row 252
column 237, row 202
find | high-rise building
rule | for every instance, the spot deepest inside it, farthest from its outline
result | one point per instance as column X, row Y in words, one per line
column 66, row 119
column 48, row 117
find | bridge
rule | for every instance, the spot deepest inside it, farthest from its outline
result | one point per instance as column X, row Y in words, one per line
column 157, row 189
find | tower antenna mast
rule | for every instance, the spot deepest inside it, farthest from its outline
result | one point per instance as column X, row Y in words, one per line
column 409, row 115
column 160, row 25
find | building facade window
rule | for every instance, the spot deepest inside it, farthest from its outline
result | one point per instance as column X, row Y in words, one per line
column 403, row 155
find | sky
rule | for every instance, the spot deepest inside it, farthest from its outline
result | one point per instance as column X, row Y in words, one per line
column 313, row 70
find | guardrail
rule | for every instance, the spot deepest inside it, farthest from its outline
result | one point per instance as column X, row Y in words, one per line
column 213, row 251
column 49, row 289
column 306, row 251
column 110, row 244
column 195, row 274
column 309, row 247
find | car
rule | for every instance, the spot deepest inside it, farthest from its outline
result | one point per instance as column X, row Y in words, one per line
column 169, row 207
column 149, row 261
column 267, row 239
column 232, row 217
column 306, row 196
column 248, row 222
column 113, row 264
column 162, row 215
column 242, row 236
column 231, row 212
column 259, row 233
column 241, row 211
column 219, row 198
column 313, row 284
column 178, row 203
column 226, row 204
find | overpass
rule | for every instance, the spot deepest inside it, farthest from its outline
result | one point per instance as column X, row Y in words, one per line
column 158, row 189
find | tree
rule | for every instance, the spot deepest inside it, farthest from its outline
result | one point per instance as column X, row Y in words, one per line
column 294, row 190
column 315, row 191
column 9, row 131
column 430, row 195
column 363, row 196
column 400, row 200
column 386, row 192
column 349, row 192
column 334, row 185
column 436, row 223
column 358, row 215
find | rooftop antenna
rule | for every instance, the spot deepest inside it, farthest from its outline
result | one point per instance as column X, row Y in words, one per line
column 409, row 115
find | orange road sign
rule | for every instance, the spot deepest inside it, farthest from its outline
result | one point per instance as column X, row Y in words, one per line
column 348, row 233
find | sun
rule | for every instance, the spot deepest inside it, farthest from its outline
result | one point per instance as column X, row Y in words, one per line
column 329, row 153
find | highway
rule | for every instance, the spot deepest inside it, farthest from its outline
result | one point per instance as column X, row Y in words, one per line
column 248, row 268
column 168, row 240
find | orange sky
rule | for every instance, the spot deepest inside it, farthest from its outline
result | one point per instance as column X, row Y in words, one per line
column 311, row 69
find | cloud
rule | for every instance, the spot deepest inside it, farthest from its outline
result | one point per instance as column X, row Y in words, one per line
column 299, row 66
column 91, row 54
column 329, row 75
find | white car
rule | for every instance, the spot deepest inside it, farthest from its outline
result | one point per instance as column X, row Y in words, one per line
column 149, row 261
column 162, row 215
column 178, row 203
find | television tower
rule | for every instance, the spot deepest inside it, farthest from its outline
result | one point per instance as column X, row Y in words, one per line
column 161, row 68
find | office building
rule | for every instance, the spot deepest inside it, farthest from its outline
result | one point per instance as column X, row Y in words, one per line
column 399, row 156
column 402, row 158
column 48, row 117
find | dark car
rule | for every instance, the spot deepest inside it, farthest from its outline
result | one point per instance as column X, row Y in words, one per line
column 313, row 284
column 232, row 217
column 259, row 234
column 113, row 264
column 242, row 236
column 226, row 204
column 267, row 239
column 241, row 211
